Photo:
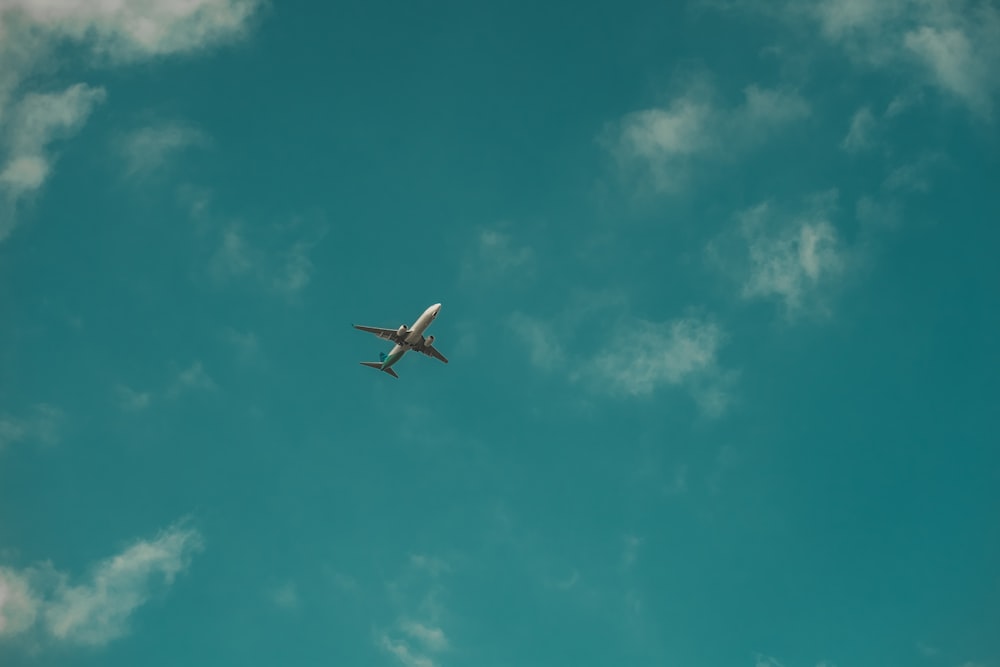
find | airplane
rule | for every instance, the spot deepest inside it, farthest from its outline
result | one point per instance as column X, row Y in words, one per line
column 405, row 339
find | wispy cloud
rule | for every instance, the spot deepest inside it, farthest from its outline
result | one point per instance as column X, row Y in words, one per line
column 631, row 550
column 132, row 400
column 433, row 565
column 496, row 255
column 109, row 33
column 283, row 272
column 149, row 148
column 417, row 638
column 40, row 425
column 128, row 31
column 402, row 651
column 793, row 257
column 96, row 610
column 245, row 343
column 645, row 356
column 648, row 355
column 662, row 145
column 913, row 176
column 194, row 377
column 432, row 638
column 285, row 596
column 761, row 660
column 26, row 131
column 951, row 45
column 541, row 339
column 859, row 136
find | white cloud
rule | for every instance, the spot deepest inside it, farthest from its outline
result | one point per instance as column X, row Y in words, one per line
column 191, row 378
column 233, row 256
column 541, row 340
column 495, row 255
column 647, row 355
column 295, row 271
column 18, row 603
column 246, row 343
column 913, row 176
column 761, row 660
column 131, row 400
column 859, row 136
column 97, row 610
column 25, row 134
column 149, row 148
column 401, row 650
column 431, row 637
column 110, row 32
column 644, row 355
column 125, row 31
column 794, row 258
column 41, row 425
column 286, row 596
column 286, row 273
column 430, row 564
column 631, row 550
column 664, row 144
column 952, row 45
column 927, row 650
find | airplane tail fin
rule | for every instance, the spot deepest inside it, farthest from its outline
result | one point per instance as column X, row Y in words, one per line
column 377, row 365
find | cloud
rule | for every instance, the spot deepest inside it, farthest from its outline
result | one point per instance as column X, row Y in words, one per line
column 859, row 136
column 950, row 45
column 26, row 131
column 42, row 425
column 631, row 550
column 18, row 603
column 286, row 596
column 126, row 31
column 286, row 272
column 193, row 377
column 494, row 255
column 149, row 148
column 246, row 343
column 401, row 650
column 541, row 340
column 795, row 258
column 98, row 609
column 294, row 271
column 761, row 660
column 33, row 37
column 431, row 637
column 430, row 564
column 664, row 144
column 913, row 176
column 645, row 355
column 417, row 637
column 132, row 400
column 648, row 355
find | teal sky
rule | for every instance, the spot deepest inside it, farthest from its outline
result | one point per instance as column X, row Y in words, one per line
column 721, row 300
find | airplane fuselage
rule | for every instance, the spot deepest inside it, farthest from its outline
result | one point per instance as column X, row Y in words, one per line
column 414, row 338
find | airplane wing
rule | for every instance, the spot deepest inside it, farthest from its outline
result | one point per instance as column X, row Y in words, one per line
column 385, row 334
column 431, row 351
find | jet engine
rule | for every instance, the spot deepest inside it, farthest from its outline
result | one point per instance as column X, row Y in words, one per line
column 428, row 341
column 401, row 331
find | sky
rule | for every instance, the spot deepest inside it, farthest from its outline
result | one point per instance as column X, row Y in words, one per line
column 720, row 300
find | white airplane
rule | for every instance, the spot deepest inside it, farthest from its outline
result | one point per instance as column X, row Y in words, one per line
column 405, row 340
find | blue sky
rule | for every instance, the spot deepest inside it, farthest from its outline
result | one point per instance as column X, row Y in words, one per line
column 720, row 302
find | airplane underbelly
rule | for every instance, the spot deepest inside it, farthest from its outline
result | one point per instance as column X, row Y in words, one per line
column 394, row 356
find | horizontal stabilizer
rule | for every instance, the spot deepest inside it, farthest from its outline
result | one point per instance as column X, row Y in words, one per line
column 377, row 365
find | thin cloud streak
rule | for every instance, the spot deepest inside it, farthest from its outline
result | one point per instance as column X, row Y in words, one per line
column 97, row 610
column 664, row 145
